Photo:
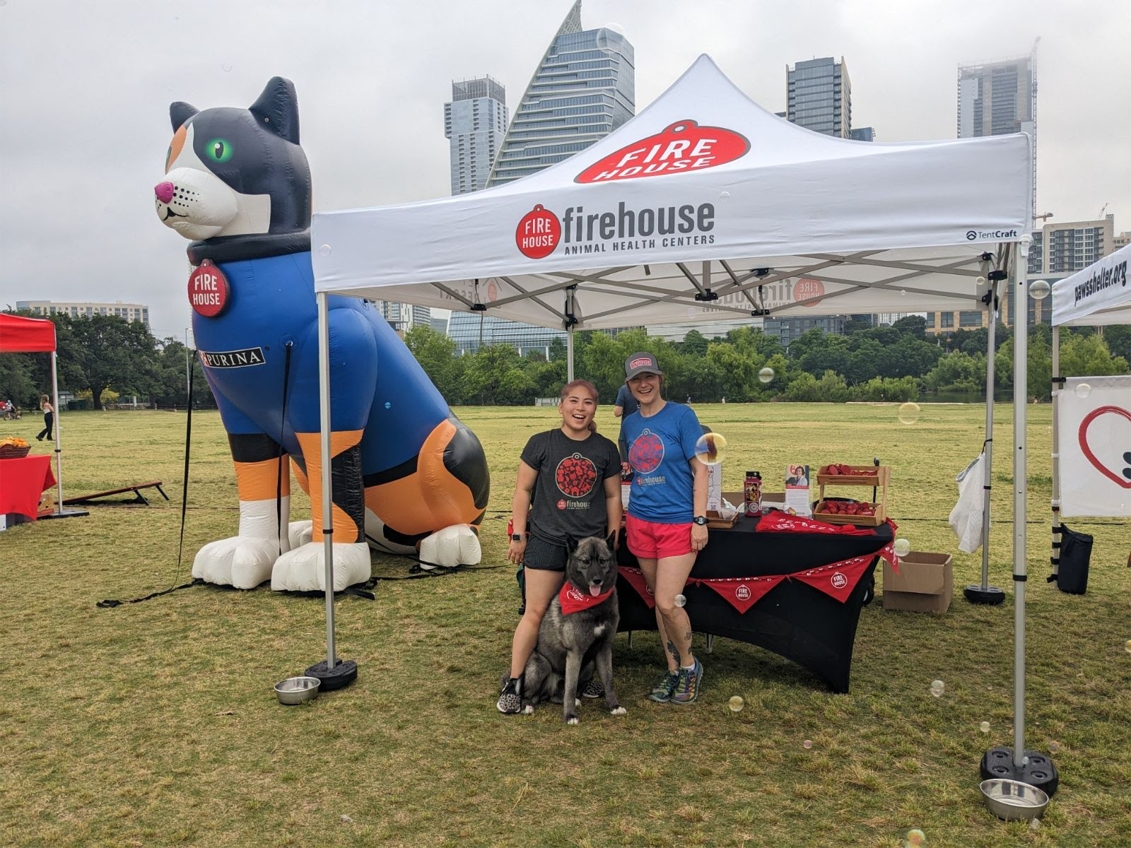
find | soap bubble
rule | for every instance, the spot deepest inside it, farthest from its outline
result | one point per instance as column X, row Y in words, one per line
column 680, row 601
column 1054, row 746
column 916, row 838
column 1127, row 646
column 1034, row 824
column 807, row 744
column 909, row 412
column 736, row 703
column 691, row 311
column 1039, row 289
column 325, row 250
column 388, row 405
column 937, row 688
column 711, row 448
column 766, row 375
column 724, row 196
column 226, row 67
column 984, row 727
column 1083, row 390
column 902, row 547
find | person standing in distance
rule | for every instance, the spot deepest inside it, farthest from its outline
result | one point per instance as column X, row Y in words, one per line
column 48, row 418
column 666, row 526
column 568, row 486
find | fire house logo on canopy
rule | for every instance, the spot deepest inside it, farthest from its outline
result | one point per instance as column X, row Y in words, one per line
column 538, row 233
column 683, row 146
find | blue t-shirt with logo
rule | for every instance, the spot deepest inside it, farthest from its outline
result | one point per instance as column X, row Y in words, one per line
column 660, row 450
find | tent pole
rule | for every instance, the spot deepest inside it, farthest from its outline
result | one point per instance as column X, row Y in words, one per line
column 58, row 435
column 985, row 593
column 1026, row 766
column 569, row 354
column 1057, row 382
column 327, row 477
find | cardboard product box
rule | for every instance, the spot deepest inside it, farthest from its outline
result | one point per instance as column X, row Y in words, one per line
column 925, row 583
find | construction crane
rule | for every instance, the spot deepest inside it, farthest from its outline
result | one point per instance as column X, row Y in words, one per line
column 1104, row 209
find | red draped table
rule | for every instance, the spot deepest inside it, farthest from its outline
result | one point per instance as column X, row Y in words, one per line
column 23, row 482
column 797, row 591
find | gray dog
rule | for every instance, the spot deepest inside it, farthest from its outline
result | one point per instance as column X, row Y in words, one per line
column 577, row 632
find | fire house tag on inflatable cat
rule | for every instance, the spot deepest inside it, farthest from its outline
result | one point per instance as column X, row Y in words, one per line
column 208, row 290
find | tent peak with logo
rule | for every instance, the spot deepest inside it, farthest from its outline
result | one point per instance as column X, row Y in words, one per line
column 703, row 207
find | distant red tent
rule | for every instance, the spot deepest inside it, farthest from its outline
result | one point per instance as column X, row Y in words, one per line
column 26, row 335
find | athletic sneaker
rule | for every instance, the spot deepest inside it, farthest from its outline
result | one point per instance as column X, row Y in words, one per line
column 687, row 687
column 593, row 689
column 662, row 692
column 510, row 703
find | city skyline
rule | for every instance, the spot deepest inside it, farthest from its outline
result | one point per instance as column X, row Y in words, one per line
column 77, row 171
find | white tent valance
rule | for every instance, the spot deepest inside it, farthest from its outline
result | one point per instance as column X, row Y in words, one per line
column 1099, row 295
column 703, row 207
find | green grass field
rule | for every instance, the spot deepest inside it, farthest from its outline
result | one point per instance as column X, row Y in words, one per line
column 155, row 723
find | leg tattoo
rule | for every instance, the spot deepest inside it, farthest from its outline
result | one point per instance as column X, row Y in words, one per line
column 674, row 651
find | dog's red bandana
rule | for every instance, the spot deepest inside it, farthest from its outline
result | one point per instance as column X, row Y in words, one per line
column 575, row 601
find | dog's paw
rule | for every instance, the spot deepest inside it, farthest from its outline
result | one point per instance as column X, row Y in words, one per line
column 618, row 711
column 239, row 561
column 528, row 709
column 573, row 720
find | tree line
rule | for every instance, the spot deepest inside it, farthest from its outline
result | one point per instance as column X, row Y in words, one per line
column 104, row 357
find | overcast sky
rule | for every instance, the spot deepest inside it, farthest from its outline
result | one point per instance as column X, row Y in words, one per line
column 85, row 89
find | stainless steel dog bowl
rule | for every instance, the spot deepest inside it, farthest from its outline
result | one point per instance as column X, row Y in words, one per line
column 296, row 690
column 1012, row 799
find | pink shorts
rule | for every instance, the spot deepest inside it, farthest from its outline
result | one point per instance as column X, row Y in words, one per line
column 648, row 540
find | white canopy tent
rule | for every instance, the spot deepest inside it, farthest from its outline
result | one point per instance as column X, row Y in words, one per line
column 1099, row 295
column 706, row 206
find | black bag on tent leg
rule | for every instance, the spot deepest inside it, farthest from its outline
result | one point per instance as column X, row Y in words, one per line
column 1075, row 557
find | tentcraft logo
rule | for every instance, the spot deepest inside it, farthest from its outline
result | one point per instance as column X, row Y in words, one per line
column 681, row 147
column 974, row 235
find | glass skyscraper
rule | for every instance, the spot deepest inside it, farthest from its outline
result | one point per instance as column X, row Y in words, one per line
column 474, row 123
column 584, row 88
column 819, row 97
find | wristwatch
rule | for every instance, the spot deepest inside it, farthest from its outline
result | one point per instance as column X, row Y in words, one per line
column 701, row 520
column 517, row 537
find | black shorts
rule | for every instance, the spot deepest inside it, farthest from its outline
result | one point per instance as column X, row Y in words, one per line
column 544, row 556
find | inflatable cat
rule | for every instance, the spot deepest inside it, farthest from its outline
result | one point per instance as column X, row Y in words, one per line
column 407, row 475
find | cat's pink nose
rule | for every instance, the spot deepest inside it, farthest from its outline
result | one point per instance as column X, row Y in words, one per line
column 164, row 192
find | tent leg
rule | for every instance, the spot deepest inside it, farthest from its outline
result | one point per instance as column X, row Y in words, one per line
column 985, row 593
column 1057, row 382
column 1028, row 766
column 569, row 355
column 333, row 673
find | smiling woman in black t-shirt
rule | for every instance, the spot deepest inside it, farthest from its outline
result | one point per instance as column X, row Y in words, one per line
column 568, row 486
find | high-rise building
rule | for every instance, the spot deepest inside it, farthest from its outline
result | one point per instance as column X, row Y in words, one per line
column 85, row 309
column 474, row 123
column 402, row 317
column 998, row 98
column 1072, row 246
column 819, row 97
column 583, row 89
column 472, row 330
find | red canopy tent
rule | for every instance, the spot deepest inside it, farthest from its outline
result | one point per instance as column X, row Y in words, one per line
column 35, row 335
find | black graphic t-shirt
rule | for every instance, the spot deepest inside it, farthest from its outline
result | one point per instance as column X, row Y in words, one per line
column 569, row 494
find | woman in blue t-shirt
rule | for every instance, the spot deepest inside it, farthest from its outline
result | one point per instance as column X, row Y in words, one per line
column 568, row 486
column 666, row 526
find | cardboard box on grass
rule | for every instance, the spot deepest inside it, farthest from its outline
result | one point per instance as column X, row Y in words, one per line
column 925, row 583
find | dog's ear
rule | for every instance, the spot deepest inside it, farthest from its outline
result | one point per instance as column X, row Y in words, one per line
column 611, row 540
column 571, row 543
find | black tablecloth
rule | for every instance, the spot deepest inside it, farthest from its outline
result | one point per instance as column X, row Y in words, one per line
column 793, row 619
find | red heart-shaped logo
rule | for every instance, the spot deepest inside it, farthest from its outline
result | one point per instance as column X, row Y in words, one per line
column 1083, row 437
